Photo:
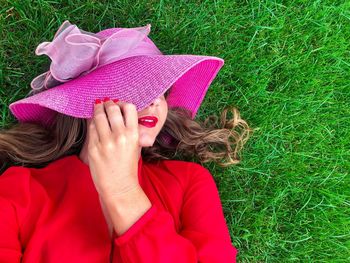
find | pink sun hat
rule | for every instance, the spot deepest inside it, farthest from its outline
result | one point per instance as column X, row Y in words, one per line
column 120, row 63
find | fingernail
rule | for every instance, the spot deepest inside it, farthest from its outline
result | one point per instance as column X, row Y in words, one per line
column 115, row 100
column 106, row 99
column 97, row 101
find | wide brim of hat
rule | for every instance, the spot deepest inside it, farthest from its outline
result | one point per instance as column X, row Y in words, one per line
column 138, row 80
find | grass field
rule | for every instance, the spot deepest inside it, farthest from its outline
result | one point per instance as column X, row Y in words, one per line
column 286, row 70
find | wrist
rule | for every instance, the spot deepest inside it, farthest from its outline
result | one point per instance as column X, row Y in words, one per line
column 125, row 209
column 122, row 193
column 125, row 194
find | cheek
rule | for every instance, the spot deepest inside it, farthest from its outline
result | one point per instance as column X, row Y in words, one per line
column 165, row 112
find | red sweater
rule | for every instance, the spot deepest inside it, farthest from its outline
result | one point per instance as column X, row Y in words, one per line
column 53, row 214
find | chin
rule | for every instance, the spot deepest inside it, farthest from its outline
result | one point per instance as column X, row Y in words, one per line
column 146, row 142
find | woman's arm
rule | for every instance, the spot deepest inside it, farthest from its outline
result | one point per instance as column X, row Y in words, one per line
column 124, row 210
column 204, row 236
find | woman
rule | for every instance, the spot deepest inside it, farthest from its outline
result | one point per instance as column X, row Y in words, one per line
column 94, row 182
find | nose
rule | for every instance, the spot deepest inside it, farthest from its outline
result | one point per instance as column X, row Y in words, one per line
column 155, row 102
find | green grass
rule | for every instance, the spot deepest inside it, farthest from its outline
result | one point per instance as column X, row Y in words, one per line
column 286, row 69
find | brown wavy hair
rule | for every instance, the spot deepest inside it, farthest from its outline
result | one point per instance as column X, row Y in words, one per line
column 189, row 139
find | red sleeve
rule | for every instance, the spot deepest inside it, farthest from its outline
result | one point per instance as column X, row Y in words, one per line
column 10, row 246
column 204, row 236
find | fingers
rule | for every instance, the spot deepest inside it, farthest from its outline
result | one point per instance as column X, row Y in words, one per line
column 130, row 115
column 114, row 115
column 92, row 134
column 101, row 122
column 111, row 117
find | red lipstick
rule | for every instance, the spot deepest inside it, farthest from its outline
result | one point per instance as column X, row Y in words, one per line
column 148, row 121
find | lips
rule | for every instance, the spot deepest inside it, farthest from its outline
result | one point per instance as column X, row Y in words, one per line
column 148, row 121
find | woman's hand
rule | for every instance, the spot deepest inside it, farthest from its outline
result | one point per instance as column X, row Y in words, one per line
column 113, row 148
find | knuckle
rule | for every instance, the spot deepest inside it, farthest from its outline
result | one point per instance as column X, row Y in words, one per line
column 122, row 139
column 134, row 135
column 93, row 151
column 109, row 146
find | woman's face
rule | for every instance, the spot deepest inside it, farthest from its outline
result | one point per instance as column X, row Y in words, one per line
column 159, row 109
